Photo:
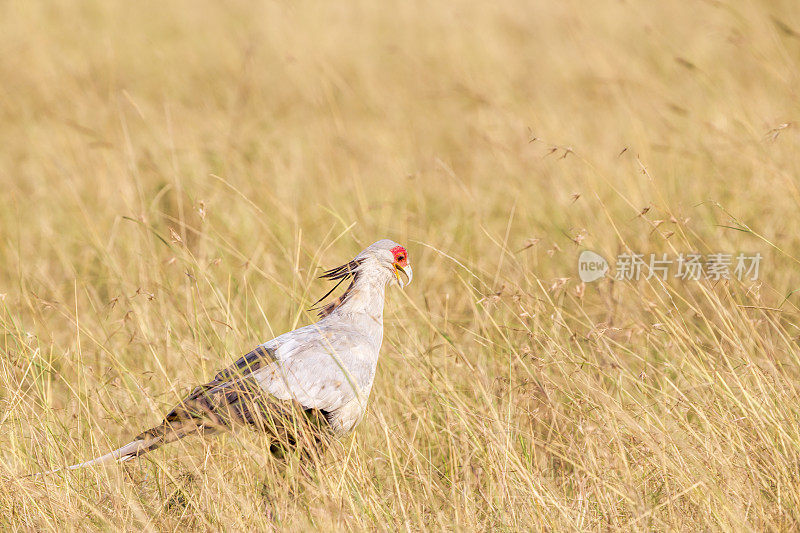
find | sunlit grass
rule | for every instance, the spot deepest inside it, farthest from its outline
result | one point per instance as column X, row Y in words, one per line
column 175, row 177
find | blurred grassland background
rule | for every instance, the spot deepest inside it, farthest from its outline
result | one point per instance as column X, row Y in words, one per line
column 176, row 174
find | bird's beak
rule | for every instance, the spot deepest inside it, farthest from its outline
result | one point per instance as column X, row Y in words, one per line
column 407, row 272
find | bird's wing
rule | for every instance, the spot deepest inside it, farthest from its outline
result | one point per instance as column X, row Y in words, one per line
column 313, row 366
column 319, row 367
column 262, row 356
column 236, row 394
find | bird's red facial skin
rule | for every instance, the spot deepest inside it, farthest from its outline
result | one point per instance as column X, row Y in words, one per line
column 400, row 256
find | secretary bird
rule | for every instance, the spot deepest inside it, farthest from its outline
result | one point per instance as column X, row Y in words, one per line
column 301, row 387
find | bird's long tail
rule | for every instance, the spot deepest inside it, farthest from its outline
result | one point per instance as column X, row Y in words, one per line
column 207, row 409
column 120, row 455
column 146, row 442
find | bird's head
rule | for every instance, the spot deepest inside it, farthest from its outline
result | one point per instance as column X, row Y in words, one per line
column 382, row 262
column 390, row 256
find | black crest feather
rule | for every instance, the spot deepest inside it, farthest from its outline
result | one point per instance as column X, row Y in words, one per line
column 340, row 274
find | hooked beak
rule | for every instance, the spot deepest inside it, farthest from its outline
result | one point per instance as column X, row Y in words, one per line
column 407, row 272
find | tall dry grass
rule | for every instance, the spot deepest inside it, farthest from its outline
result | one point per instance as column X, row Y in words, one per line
column 174, row 175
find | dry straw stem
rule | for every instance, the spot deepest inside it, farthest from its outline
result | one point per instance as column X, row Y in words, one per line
column 176, row 175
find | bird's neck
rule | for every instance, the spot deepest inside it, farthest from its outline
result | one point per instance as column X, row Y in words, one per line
column 363, row 306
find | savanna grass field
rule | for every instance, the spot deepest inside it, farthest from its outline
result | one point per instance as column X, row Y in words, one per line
column 176, row 175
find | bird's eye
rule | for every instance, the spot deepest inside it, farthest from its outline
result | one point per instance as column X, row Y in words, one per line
column 400, row 257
